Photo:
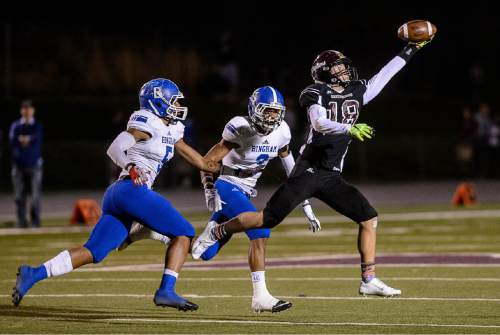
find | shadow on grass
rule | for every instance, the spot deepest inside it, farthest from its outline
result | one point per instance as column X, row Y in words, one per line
column 82, row 314
column 51, row 312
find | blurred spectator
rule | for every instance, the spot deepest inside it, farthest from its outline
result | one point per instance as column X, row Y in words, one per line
column 494, row 145
column 476, row 74
column 1, row 147
column 25, row 138
column 484, row 124
column 228, row 62
column 466, row 142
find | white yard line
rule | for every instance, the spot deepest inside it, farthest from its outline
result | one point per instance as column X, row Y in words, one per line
column 229, row 296
column 269, row 278
column 290, row 323
column 410, row 216
column 160, row 267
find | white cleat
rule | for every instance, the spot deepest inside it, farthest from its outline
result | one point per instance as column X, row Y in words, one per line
column 377, row 287
column 139, row 232
column 269, row 304
column 204, row 241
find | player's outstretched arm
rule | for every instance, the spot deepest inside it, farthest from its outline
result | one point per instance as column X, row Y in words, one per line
column 288, row 164
column 216, row 154
column 376, row 83
column 194, row 158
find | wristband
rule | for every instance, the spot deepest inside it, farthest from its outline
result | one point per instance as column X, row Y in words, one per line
column 129, row 166
column 408, row 52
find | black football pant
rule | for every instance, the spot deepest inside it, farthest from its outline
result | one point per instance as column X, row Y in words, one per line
column 307, row 182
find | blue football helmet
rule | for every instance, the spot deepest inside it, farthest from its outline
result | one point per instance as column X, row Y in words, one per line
column 263, row 99
column 159, row 96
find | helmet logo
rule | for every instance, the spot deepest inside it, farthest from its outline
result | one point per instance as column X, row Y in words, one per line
column 157, row 93
column 318, row 65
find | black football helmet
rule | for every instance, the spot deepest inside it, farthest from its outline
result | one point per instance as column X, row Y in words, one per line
column 321, row 69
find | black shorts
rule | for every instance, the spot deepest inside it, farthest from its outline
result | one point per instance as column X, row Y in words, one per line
column 307, row 182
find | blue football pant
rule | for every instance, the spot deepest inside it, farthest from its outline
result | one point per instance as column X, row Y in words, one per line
column 235, row 202
column 124, row 203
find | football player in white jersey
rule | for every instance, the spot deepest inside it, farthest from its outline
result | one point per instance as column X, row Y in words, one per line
column 153, row 132
column 247, row 145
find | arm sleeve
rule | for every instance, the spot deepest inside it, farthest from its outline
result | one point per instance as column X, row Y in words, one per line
column 288, row 163
column 322, row 124
column 378, row 81
column 116, row 150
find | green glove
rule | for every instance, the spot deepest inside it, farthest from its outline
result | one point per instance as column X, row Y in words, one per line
column 420, row 45
column 361, row 131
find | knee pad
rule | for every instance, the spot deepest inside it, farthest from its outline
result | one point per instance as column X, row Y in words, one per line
column 256, row 233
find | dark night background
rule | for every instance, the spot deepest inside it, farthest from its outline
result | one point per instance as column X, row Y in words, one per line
column 84, row 73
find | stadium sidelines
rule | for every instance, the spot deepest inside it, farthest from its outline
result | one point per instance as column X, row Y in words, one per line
column 229, row 296
column 389, row 217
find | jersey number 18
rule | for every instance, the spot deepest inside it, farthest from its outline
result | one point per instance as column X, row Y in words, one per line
column 349, row 108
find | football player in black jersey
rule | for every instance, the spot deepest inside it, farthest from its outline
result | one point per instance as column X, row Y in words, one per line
column 332, row 104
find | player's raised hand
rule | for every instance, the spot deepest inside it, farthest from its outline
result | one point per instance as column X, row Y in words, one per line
column 362, row 131
column 420, row 45
column 138, row 176
column 314, row 224
column 212, row 199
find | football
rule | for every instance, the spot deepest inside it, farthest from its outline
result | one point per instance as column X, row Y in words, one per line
column 417, row 31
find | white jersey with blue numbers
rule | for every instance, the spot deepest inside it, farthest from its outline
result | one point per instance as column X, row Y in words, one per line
column 254, row 151
column 152, row 154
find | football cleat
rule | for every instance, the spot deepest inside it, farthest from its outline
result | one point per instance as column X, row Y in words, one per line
column 377, row 287
column 25, row 280
column 204, row 241
column 269, row 304
column 139, row 232
column 171, row 299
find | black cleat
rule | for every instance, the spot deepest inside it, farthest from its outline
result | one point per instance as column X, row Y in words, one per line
column 281, row 306
column 16, row 297
column 170, row 299
column 259, row 306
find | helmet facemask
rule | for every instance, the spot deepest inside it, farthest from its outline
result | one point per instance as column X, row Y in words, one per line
column 343, row 72
column 173, row 109
column 267, row 117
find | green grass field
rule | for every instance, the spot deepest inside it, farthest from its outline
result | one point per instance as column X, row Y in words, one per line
column 437, row 298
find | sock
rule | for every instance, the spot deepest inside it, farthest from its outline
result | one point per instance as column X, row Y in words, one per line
column 59, row 265
column 168, row 280
column 159, row 237
column 259, row 283
column 40, row 273
column 367, row 271
column 219, row 231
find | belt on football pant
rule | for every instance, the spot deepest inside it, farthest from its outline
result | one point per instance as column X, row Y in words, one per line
column 240, row 173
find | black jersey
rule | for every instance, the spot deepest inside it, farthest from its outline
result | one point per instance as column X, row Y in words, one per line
column 328, row 150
